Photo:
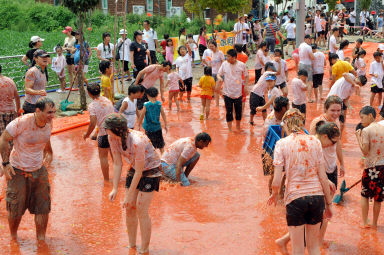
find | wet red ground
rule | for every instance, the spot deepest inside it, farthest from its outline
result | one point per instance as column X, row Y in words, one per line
column 223, row 212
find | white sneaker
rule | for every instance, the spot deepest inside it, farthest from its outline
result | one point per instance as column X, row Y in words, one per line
column 60, row 91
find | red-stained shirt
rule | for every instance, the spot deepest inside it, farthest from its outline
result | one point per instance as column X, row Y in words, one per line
column 7, row 94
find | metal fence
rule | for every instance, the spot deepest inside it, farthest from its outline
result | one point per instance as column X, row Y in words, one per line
column 13, row 67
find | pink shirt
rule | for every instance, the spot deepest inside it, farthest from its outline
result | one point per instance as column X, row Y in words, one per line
column 173, row 79
column 139, row 148
column 261, row 86
column 29, row 142
column 151, row 76
column 100, row 107
column 7, row 94
column 39, row 83
column 301, row 156
column 203, row 41
column 184, row 147
column 233, row 78
column 299, row 97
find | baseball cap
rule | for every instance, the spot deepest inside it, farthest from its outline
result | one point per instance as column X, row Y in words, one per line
column 40, row 53
column 270, row 77
column 123, row 32
column 36, row 39
column 67, row 29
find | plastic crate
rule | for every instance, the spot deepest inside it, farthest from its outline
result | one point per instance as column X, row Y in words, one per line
column 273, row 135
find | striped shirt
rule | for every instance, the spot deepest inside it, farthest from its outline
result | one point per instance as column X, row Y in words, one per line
column 269, row 30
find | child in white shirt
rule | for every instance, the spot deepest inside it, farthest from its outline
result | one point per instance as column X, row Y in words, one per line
column 340, row 52
column 299, row 88
column 273, row 92
column 193, row 45
column 58, row 65
column 281, row 72
column 318, row 64
column 360, row 64
column 376, row 70
column 129, row 106
column 173, row 80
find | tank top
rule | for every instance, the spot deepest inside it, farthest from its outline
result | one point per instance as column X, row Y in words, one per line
column 203, row 41
column 152, row 116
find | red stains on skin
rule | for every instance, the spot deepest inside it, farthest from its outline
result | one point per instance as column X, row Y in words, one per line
column 378, row 152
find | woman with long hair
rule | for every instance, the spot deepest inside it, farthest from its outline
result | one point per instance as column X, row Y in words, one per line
column 142, row 179
column 202, row 41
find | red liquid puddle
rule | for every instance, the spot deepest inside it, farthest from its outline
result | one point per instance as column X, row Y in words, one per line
column 224, row 211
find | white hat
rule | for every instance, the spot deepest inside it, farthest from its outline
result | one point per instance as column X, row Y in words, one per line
column 36, row 39
column 381, row 46
column 123, row 32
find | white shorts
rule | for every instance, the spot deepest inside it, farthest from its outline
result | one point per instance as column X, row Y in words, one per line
column 380, row 29
column 85, row 69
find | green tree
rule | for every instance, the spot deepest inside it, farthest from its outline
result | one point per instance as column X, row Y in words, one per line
column 82, row 9
column 365, row 4
column 221, row 6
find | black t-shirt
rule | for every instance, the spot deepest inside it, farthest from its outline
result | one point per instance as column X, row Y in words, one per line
column 139, row 53
column 29, row 55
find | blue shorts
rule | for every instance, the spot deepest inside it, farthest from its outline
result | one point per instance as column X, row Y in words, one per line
column 170, row 170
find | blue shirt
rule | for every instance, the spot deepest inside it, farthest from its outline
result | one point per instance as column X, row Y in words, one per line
column 380, row 22
column 152, row 116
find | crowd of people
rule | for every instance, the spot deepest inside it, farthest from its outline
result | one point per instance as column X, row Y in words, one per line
column 310, row 163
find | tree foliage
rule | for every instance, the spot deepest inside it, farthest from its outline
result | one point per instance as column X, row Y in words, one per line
column 331, row 4
column 80, row 6
column 221, row 6
column 365, row 4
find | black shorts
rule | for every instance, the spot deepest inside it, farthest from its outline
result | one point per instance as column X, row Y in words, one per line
column 282, row 85
column 302, row 108
column 255, row 101
column 69, row 60
column 320, row 33
column 156, row 138
column 193, row 55
column 202, row 48
column 187, row 85
column 342, row 114
column 146, row 184
column 376, row 89
column 291, row 39
column 152, row 53
column 305, row 210
column 125, row 65
column 102, row 142
column 333, row 177
column 317, row 80
column 257, row 74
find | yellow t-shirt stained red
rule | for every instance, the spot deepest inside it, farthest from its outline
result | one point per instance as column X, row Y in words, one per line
column 106, row 85
column 207, row 85
column 341, row 67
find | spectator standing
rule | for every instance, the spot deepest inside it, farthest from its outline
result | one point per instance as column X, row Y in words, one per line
column 291, row 35
column 352, row 21
column 270, row 34
column 69, row 46
column 123, row 45
column 150, row 37
column 35, row 44
column 241, row 29
column 318, row 27
column 138, row 53
column 379, row 33
column 8, row 93
column 163, row 44
column 35, row 81
column 87, row 55
column 105, row 49
column 202, row 41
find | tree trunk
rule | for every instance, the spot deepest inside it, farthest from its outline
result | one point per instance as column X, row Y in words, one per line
column 83, row 98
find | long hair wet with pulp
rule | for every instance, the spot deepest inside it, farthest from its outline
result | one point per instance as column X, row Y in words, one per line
column 117, row 123
column 294, row 120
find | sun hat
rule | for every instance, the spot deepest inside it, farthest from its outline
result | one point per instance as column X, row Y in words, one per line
column 123, row 32
column 270, row 77
column 36, row 39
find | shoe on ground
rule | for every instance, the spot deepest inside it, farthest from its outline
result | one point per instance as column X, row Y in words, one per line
column 60, row 91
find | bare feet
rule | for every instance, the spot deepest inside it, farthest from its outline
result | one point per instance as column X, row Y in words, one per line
column 365, row 226
column 132, row 250
column 326, row 244
column 282, row 245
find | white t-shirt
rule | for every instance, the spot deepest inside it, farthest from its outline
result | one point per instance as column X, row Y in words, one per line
column 105, row 51
column 360, row 66
column 352, row 17
column 304, row 54
column 281, row 78
column 214, row 59
column 240, row 38
column 261, row 86
column 149, row 37
column 130, row 112
column 308, row 29
column 340, row 53
column 332, row 44
column 259, row 55
column 274, row 92
column 376, row 68
column 363, row 15
column 318, row 62
column 299, row 97
column 291, row 30
column 318, row 24
column 233, row 78
column 125, row 48
column 342, row 88
column 185, row 66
